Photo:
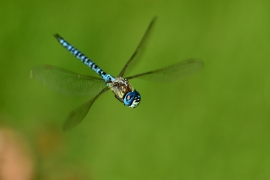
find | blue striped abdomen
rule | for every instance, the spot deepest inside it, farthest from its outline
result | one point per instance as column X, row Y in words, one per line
column 107, row 77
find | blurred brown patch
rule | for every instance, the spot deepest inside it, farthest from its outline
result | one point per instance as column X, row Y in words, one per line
column 16, row 162
column 50, row 141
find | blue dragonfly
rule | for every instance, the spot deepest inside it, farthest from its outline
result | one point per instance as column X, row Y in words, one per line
column 76, row 84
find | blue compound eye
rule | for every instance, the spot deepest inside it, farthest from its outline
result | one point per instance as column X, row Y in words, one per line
column 132, row 99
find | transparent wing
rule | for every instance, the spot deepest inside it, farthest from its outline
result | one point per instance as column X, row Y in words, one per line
column 77, row 115
column 140, row 46
column 173, row 72
column 67, row 82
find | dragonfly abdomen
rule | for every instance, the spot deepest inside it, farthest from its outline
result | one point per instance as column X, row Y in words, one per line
column 78, row 54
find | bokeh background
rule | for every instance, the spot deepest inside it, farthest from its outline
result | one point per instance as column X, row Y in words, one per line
column 213, row 125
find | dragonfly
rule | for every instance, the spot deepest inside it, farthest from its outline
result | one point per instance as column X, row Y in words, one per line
column 72, row 83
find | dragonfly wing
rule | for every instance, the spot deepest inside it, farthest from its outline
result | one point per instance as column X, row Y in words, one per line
column 140, row 46
column 77, row 115
column 173, row 72
column 67, row 82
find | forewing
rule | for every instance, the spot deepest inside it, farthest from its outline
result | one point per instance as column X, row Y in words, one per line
column 173, row 72
column 140, row 46
column 77, row 115
column 67, row 82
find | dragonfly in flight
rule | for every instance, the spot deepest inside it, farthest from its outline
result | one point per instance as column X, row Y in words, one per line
column 73, row 83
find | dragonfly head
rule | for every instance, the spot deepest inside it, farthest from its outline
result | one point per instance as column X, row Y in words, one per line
column 132, row 99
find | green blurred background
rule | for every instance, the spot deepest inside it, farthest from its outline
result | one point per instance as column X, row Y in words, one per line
column 213, row 125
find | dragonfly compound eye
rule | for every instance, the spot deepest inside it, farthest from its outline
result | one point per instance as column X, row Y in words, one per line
column 132, row 99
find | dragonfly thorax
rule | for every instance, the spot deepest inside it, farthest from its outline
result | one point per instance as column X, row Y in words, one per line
column 124, row 92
